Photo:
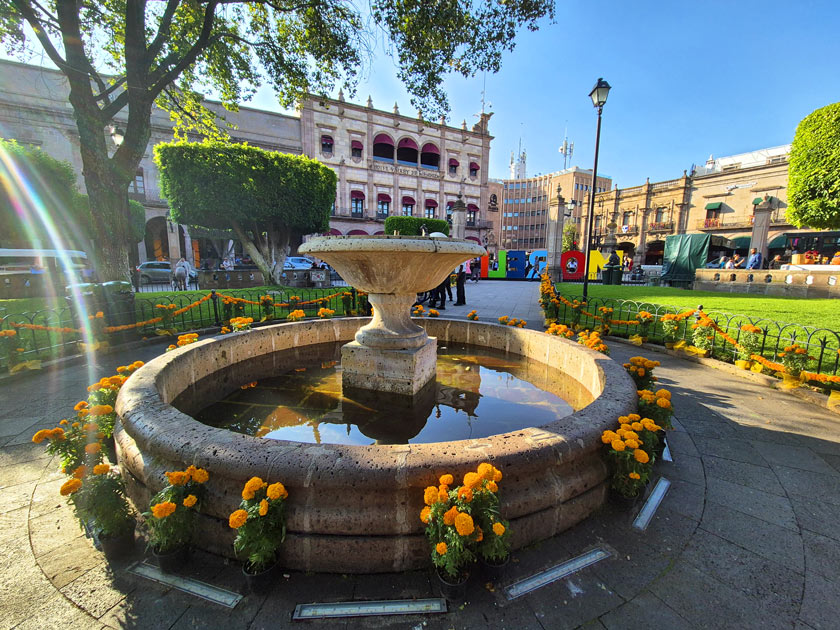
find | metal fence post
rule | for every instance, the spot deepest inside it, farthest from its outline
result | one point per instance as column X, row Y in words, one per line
column 214, row 297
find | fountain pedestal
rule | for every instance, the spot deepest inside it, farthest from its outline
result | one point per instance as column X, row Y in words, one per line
column 391, row 353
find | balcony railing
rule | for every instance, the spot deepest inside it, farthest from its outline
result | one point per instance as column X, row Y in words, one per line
column 626, row 230
column 661, row 226
column 381, row 216
column 357, row 214
column 777, row 217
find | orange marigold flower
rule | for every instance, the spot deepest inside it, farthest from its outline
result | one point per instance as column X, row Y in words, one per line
column 79, row 472
column 237, row 519
column 276, row 491
column 631, row 443
column 443, row 494
column 101, row 469
column 441, row 548
column 162, row 510
column 465, row 494
column 641, row 456
column 634, row 475
column 177, row 478
column 263, row 507
column 40, row 436
column 190, row 500
column 69, row 487
column 608, row 436
column 471, row 480
column 479, row 536
column 492, row 487
column 430, row 495
column 617, row 445
column 497, row 475
column 498, row 529
column 199, row 475
column 251, row 487
column 449, row 516
column 82, row 404
column 93, row 448
column 464, row 524
column 446, row 480
column 485, row 471
column 634, row 417
column 425, row 513
column 92, row 427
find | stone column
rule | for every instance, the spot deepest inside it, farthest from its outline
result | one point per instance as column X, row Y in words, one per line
column 173, row 240
column 459, row 219
column 761, row 227
column 554, row 238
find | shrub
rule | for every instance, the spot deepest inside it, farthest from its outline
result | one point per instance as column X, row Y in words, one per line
column 410, row 226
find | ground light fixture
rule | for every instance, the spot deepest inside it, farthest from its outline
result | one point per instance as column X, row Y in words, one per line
column 599, row 98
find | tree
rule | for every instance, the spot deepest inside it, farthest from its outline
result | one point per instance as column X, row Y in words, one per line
column 570, row 238
column 814, row 171
column 41, row 201
column 230, row 46
column 265, row 197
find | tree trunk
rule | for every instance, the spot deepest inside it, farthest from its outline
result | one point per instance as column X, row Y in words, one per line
column 261, row 252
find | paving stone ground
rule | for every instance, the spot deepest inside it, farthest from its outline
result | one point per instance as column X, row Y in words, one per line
column 746, row 537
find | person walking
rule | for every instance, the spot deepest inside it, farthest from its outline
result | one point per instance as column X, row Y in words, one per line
column 182, row 272
column 475, row 269
column 460, row 281
column 439, row 295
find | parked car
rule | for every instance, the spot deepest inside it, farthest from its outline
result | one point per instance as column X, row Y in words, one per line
column 294, row 263
column 156, row 271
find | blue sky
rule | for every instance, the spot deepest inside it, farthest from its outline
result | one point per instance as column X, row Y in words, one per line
column 689, row 80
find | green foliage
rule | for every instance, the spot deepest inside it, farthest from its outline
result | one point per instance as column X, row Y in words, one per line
column 137, row 221
column 101, row 501
column 212, row 183
column 814, row 171
column 53, row 190
column 168, row 532
column 570, row 237
column 410, row 226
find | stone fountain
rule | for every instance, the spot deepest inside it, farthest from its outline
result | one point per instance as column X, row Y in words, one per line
column 391, row 353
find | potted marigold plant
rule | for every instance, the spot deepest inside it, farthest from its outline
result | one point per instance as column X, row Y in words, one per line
column 493, row 542
column 645, row 320
column 267, row 306
column 631, row 463
column 750, row 343
column 171, row 516
column 260, row 524
column 657, row 406
column 99, row 502
column 452, row 533
column 703, row 336
column 795, row 359
column 641, row 371
column 670, row 329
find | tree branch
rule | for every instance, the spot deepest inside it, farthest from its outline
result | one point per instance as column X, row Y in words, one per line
column 163, row 31
column 28, row 14
column 110, row 90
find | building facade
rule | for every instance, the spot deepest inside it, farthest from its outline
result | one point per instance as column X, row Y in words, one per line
column 717, row 198
column 522, row 222
column 386, row 163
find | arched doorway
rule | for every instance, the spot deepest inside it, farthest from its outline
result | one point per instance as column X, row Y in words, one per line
column 654, row 253
column 156, row 239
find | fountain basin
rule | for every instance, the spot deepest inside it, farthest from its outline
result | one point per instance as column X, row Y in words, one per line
column 356, row 508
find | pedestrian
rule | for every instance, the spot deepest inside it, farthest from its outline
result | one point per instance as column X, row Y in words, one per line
column 439, row 295
column 754, row 261
column 475, row 268
column 460, row 281
column 182, row 271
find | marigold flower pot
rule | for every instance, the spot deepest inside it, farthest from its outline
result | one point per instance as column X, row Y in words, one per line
column 744, row 365
column 171, row 561
column 621, row 501
column 494, row 571
column 117, row 547
column 260, row 583
column 670, row 344
column 453, row 589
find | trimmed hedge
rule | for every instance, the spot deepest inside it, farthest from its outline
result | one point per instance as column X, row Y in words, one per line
column 410, row 226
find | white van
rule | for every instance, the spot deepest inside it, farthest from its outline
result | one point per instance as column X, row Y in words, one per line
column 49, row 261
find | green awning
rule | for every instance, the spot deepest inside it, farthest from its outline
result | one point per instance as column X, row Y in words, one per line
column 779, row 242
column 740, row 242
column 714, row 206
column 757, row 201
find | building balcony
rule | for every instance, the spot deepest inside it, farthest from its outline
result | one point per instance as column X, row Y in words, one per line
column 357, row 214
column 661, row 226
column 381, row 216
column 777, row 217
column 625, row 230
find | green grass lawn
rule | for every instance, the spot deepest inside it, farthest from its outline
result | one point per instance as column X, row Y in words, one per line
column 808, row 312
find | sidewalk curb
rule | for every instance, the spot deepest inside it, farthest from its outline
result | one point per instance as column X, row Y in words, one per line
column 815, row 398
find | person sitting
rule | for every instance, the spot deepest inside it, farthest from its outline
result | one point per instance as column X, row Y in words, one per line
column 776, row 263
column 754, row 261
column 737, row 262
column 729, row 264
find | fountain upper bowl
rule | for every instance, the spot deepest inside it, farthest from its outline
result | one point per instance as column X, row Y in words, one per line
column 392, row 264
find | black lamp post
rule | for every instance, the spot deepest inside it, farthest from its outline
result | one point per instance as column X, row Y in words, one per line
column 599, row 97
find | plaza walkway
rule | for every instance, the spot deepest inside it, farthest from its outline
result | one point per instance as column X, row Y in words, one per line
column 747, row 536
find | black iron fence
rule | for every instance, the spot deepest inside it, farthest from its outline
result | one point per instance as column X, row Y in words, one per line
column 822, row 343
column 52, row 332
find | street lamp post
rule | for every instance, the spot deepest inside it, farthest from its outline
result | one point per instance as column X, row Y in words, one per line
column 599, row 98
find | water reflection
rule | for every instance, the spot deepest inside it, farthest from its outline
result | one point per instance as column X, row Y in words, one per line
column 478, row 392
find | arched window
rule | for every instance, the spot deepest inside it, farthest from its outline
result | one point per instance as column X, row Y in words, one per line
column 326, row 145
column 383, row 205
column 383, row 148
column 407, row 152
column 473, row 169
column 430, row 157
column 356, row 149
column 472, row 214
column 408, row 206
column 357, row 203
